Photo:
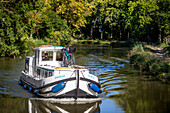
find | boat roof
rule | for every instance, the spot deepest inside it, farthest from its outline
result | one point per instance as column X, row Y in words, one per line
column 48, row 48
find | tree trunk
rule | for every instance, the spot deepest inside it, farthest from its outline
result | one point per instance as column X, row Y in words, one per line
column 120, row 38
column 111, row 34
column 91, row 32
column 80, row 32
column 149, row 40
column 128, row 35
column 160, row 36
column 101, row 36
column 92, row 26
column 163, row 35
column 31, row 35
column 140, row 70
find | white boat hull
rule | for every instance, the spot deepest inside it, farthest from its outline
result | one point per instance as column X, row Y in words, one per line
column 76, row 85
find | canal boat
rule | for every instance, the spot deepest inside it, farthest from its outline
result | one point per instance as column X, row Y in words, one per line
column 52, row 73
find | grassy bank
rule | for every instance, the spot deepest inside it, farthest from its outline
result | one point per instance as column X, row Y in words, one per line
column 128, row 43
column 75, row 41
column 149, row 63
column 114, row 43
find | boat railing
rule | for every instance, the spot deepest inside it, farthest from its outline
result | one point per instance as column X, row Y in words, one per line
column 63, row 70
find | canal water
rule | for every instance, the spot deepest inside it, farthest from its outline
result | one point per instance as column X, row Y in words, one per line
column 125, row 90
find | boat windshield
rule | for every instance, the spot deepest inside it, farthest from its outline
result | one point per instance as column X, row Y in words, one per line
column 47, row 55
column 59, row 56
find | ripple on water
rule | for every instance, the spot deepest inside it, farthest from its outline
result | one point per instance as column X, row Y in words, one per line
column 112, row 80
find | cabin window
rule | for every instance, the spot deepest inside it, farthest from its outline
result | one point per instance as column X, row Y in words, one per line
column 47, row 55
column 46, row 74
column 42, row 73
column 59, row 56
column 27, row 65
column 38, row 56
column 50, row 74
column 38, row 71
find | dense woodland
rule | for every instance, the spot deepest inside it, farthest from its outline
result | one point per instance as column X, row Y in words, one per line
column 27, row 23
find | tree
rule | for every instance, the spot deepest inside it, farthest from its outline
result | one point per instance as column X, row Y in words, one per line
column 23, row 22
column 126, row 15
column 162, row 18
column 73, row 12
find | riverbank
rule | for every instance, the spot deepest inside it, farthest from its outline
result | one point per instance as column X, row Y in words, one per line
column 75, row 41
column 150, row 60
column 113, row 43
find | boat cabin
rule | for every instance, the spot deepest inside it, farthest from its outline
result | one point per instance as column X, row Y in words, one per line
column 52, row 56
column 49, row 57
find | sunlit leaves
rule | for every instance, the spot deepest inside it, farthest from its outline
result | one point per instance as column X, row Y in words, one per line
column 139, row 12
column 23, row 22
column 74, row 12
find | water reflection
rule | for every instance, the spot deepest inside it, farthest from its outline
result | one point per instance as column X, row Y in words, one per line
column 10, row 104
column 144, row 97
column 58, row 106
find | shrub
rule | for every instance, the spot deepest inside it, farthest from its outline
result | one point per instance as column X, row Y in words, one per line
column 154, row 68
column 145, row 61
column 165, row 67
column 128, row 43
column 82, row 37
column 163, row 45
column 99, row 41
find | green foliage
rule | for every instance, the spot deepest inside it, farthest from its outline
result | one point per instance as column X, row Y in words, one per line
column 23, row 23
column 163, row 45
column 167, row 51
column 139, row 48
column 82, row 37
column 99, row 42
column 147, row 62
column 30, row 43
column 128, row 43
column 56, row 21
column 166, row 48
column 56, row 30
column 74, row 12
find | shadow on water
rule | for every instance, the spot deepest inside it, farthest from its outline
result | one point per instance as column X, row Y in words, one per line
column 125, row 90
